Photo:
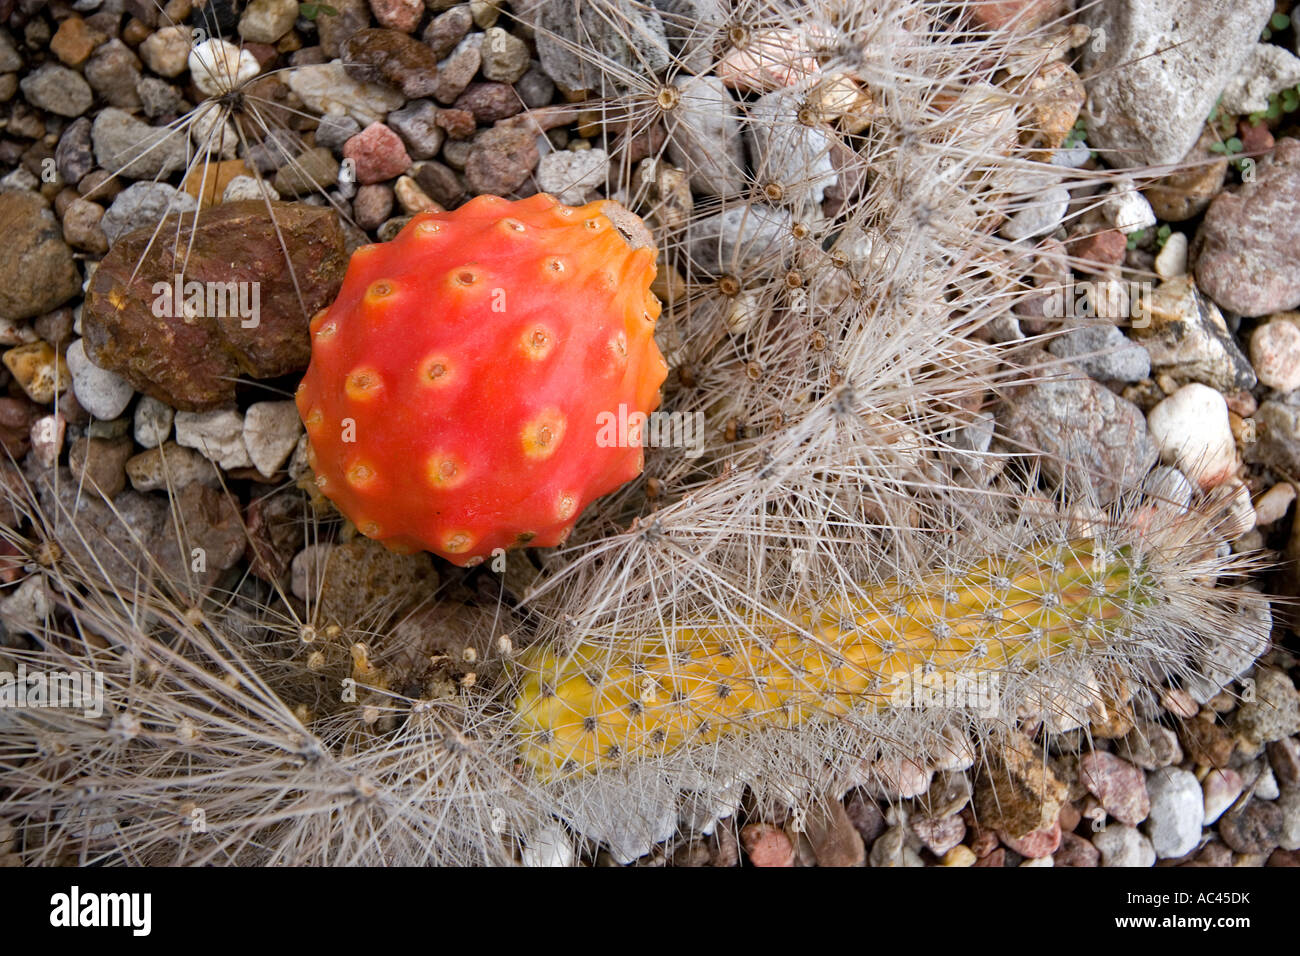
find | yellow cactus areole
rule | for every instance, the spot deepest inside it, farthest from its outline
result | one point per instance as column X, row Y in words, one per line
column 604, row 702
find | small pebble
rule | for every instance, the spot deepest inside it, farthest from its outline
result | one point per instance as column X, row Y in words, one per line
column 1177, row 812
column 1192, row 432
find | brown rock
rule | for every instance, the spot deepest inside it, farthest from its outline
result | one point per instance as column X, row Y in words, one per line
column 275, row 535
column 835, row 841
column 394, row 58
column 1018, row 793
column 100, row 463
column 1184, row 194
column 74, row 41
column 1055, row 95
column 500, row 160
column 351, row 16
column 37, row 272
column 1255, row 138
column 81, row 226
column 489, row 102
column 1206, row 741
column 16, row 418
column 192, row 365
column 1255, row 828
column 1104, row 248
column 459, row 124
column 866, row 816
column 1245, row 250
column 1120, row 786
column 1076, row 851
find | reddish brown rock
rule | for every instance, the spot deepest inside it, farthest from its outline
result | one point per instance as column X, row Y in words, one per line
column 394, row 58
column 1245, row 250
column 192, row 364
column 1105, row 248
column 767, row 845
column 1037, row 844
column 1076, row 851
column 1120, row 786
column 997, row 14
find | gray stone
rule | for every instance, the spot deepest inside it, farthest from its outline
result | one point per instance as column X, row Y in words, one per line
column 129, row 148
column 1088, row 433
column 1104, row 352
column 271, row 431
column 57, row 89
column 103, row 393
column 458, row 69
column 1038, row 214
column 158, row 97
column 570, row 175
column 1177, row 812
column 535, row 88
column 742, row 239
column 505, row 57
column 112, row 72
column 141, row 205
column 1268, row 69
column 1122, row 845
column 1155, row 69
column 692, row 28
column 627, row 811
column 704, row 136
column 152, row 423
column 1187, row 338
column 217, row 435
column 624, row 36
column 416, row 123
column 11, row 60
column 1226, row 655
column 335, row 130
column 786, row 153
column 327, row 88
column 1274, row 712
column 170, row 466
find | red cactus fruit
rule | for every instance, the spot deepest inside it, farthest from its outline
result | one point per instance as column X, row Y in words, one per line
column 458, row 382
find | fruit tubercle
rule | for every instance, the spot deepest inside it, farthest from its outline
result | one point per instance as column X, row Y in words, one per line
column 608, row 701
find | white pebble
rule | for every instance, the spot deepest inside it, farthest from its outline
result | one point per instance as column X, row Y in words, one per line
column 549, row 846
column 1172, row 259
column 1191, row 429
column 1122, row 845
column 218, row 435
column 153, row 422
column 1126, row 209
column 217, row 66
column 103, row 393
column 271, row 431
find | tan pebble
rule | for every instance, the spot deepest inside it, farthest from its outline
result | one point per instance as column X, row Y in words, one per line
column 1273, row 504
column 960, row 855
column 39, row 370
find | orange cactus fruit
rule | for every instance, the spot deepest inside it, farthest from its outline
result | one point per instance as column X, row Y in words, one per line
column 460, row 382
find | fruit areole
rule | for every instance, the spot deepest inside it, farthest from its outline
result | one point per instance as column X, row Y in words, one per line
column 457, row 381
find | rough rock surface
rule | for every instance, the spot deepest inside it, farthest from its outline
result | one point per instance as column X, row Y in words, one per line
column 193, row 364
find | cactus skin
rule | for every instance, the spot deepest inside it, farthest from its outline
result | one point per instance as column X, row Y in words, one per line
column 457, row 382
column 607, row 702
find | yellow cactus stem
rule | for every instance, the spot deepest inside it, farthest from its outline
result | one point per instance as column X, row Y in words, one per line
column 606, row 701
